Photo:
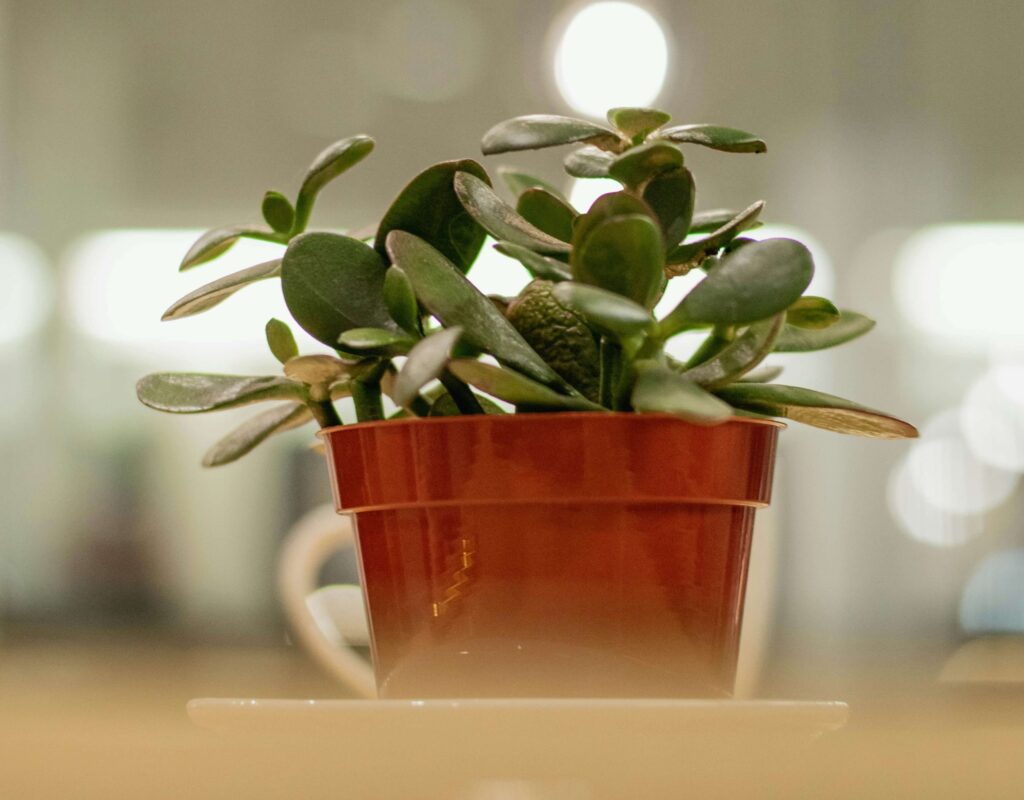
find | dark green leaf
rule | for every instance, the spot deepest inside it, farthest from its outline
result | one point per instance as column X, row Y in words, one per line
column 659, row 389
column 606, row 312
column 748, row 350
column 545, row 130
column 623, row 255
column 816, row 408
column 219, row 240
column 813, row 313
column 636, row 123
column 194, row 393
column 639, row 164
column 256, row 430
column 849, row 326
column 445, row 406
column 500, row 219
column 328, row 165
column 281, row 341
column 671, row 197
column 376, row 341
column 278, row 211
column 429, row 208
column 427, row 361
column 400, row 300
column 693, row 251
column 588, row 162
column 513, row 387
column 539, row 266
column 546, row 212
column 716, row 137
column 709, row 221
column 612, row 204
column 216, row 292
column 450, row 297
column 518, row 182
column 332, row 283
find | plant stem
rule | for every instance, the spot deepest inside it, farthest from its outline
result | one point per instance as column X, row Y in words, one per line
column 366, row 395
column 611, row 372
column 325, row 414
column 719, row 338
column 463, row 396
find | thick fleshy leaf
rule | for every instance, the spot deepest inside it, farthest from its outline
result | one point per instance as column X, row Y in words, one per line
column 450, row 297
column 611, row 204
column 328, row 165
column 849, row 326
column 660, row 389
column 400, row 300
column 427, row 360
column 738, row 358
column 816, row 408
column 692, row 252
column 606, row 312
column 280, row 340
column 671, row 196
column 813, row 313
column 219, row 240
column 763, row 374
column 255, row 431
column 333, row 283
column 499, row 218
column 623, row 255
column 710, row 221
column 430, row 208
column 445, row 406
column 216, row 292
column 514, row 387
column 642, row 163
column 752, row 283
column 316, row 370
column 547, row 212
column 539, row 266
column 716, row 137
column 195, row 392
column 278, row 211
column 518, row 182
column 588, row 162
column 545, row 130
column 636, row 123
column 376, row 341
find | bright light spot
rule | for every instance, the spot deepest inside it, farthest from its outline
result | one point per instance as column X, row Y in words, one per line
column 961, row 284
column 993, row 599
column 585, row 191
column 923, row 521
column 494, row 273
column 27, row 297
column 992, row 419
column 611, row 54
column 119, row 283
column 823, row 282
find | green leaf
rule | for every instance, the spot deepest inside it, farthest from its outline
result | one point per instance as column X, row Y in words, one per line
column 813, row 313
column 748, row 350
column 659, row 389
column 545, row 211
column 623, row 255
column 328, row 165
column 694, row 251
column 256, row 430
column 709, row 221
column 539, row 266
column 401, row 302
column 216, row 292
column 219, row 240
column 376, row 341
column 671, row 196
column 518, row 182
column 611, row 204
column 445, row 406
column 636, row 123
column 716, row 137
column 606, row 312
column 430, row 208
column 278, row 211
column 333, row 283
column 450, row 297
column 513, row 387
column 641, row 163
column 588, row 162
column 752, row 283
column 816, row 408
column 281, row 341
column 427, row 360
column 849, row 326
column 500, row 219
column 194, row 393
column 545, row 130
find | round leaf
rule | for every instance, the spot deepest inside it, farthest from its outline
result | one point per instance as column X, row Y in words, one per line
column 216, row 292
column 545, row 130
column 644, row 162
column 328, row 165
column 588, row 162
column 547, row 212
column 716, row 137
column 849, row 326
column 636, row 123
column 659, row 389
column 278, row 211
column 671, row 196
column 376, row 341
column 281, row 341
column 608, row 313
column 400, row 300
column 813, row 313
column 623, row 255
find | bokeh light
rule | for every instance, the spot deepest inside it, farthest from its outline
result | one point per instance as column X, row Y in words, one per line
column 27, row 298
column 993, row 599
column 992, row 418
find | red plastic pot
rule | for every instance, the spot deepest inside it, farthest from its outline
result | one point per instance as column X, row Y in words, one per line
column 553, row 555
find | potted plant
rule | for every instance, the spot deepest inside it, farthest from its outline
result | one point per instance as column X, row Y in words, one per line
column 556, row 506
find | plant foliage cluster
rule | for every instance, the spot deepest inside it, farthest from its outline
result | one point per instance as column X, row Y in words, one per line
column 402, row 318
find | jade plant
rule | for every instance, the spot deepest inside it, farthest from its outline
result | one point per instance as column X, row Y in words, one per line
column 401, row 318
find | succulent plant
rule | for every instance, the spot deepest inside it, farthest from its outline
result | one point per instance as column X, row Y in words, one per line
column 401, row 318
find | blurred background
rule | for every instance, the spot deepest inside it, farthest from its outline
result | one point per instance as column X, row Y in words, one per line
column 894, row 151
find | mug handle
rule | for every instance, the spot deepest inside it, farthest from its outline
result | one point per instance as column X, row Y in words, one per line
column 314, row 614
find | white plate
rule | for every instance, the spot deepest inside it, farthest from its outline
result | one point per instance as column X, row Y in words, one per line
column 554, row 748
